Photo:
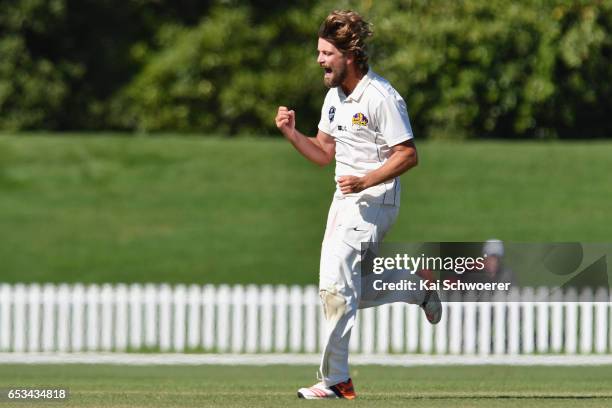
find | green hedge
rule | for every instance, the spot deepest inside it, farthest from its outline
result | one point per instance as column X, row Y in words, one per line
column 472, row 68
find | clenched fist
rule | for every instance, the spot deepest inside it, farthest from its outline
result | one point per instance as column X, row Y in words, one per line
column 351, row 184
column 285, row 121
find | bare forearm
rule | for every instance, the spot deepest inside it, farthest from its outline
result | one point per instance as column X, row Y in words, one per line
column 309, row 147
column 396, row 165
column 403, row 158
column 319, row 150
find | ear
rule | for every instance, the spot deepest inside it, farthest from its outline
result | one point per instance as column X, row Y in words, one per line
column 350, row 58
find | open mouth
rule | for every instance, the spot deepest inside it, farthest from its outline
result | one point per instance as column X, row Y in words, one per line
column 328, row 70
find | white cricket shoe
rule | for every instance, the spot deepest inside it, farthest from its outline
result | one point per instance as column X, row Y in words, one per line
column 321, row 391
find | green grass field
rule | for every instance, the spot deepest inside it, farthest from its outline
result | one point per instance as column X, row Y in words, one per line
column 275, row 386
column 211, row 210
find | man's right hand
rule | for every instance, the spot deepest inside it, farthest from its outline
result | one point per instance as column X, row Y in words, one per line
column 285, row 121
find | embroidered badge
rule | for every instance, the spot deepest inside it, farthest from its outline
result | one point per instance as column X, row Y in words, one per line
column 332, row 113
column 360, row 119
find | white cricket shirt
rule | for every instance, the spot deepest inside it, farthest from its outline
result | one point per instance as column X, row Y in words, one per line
column 365, row 125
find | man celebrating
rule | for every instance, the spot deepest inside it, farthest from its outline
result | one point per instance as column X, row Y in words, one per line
column 364, row 125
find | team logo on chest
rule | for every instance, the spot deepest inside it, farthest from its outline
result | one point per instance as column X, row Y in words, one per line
column 332, row 113
column 360, row 119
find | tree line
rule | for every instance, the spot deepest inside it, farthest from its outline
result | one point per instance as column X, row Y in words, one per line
column 467, row 69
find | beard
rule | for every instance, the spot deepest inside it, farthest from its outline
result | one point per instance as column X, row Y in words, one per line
column 338, row 76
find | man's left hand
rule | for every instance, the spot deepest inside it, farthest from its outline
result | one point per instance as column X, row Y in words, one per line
column 351, row 184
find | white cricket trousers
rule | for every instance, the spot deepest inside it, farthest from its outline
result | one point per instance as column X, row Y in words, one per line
column 351, row 221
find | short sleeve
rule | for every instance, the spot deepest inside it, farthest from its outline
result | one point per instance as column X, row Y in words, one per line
column 393, row 121
column 326, row 116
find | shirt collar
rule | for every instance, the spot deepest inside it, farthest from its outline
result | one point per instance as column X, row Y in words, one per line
column 359, row 89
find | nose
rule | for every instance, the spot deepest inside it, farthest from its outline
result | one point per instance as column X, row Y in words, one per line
column 320, row 59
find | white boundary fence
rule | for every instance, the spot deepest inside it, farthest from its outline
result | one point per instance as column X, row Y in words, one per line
column 282, row 319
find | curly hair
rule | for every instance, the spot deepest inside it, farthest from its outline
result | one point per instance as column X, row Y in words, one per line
column 348, row 31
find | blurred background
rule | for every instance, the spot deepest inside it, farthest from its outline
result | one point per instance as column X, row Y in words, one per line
column 138, row 143
column 468, row 70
